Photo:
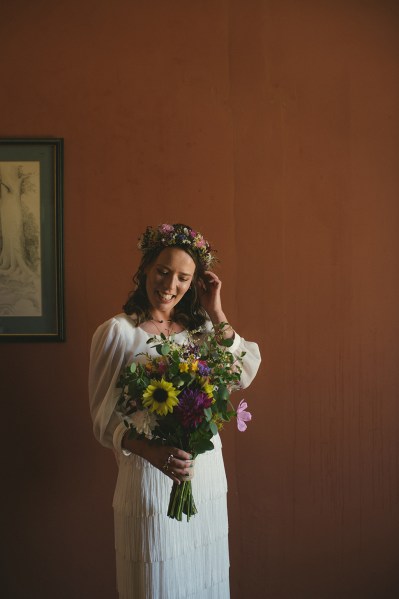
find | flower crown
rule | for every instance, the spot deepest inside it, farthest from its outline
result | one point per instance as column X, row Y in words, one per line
column 180, row 236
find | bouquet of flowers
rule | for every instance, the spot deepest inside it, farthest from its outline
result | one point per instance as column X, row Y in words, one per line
column 181, row 397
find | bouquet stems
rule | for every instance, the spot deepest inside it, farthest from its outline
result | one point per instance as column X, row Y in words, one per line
column 181, row 501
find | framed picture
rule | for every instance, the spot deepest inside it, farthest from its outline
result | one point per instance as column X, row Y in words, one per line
column 31, row 240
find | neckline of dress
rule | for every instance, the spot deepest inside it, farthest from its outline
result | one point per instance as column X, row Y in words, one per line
column 154, row 335
column 129, row 316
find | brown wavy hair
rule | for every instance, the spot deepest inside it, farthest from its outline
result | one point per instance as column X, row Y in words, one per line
column 188, row 312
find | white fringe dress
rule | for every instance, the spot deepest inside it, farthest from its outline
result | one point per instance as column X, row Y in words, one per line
column 157, row 557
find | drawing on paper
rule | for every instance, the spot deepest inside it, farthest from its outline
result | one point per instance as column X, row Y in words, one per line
column 20, row 254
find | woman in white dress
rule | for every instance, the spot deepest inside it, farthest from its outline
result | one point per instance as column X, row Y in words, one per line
column 158, row 557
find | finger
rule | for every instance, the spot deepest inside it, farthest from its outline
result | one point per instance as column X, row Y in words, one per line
column 182, row 470
column 169, row 467
column 179, row 465
column 182, row 466
column 211, row 276
column 174, row 477
column 201, row 285
column 214, row 284
column 187, row 476
column 180, row 454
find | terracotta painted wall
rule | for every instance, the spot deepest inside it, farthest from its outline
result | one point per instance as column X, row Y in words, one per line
column 273, row 127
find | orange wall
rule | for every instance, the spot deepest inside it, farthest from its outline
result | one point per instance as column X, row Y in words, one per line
column 271, row 126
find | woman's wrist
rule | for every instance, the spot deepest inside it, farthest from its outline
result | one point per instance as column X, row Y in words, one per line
column 136, row 446
column 222, row 326
column 217, row 316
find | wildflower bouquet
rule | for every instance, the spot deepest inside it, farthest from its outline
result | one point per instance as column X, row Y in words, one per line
column 180, row 397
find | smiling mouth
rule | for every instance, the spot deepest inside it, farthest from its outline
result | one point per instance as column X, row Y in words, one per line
column 165, row 297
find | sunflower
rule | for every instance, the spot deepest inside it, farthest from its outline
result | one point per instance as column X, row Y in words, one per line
column 160, row 397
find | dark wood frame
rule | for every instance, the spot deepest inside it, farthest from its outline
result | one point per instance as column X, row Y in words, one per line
column 50, row 326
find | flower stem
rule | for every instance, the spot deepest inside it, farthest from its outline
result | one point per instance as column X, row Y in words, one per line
column 181, row 501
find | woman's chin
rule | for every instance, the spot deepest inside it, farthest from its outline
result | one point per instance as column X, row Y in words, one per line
column 162, row 305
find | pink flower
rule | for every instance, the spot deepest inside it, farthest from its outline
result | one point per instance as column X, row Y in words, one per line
column 242, row 416
column 166, row 228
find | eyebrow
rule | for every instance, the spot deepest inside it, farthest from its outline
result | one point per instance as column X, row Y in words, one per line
column 185, row 274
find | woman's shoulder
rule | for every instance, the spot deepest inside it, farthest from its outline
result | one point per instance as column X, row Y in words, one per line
column 120, row 324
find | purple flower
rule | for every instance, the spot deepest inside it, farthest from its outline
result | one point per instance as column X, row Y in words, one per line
column 203, row 369
column 190, row 410
column 242, row 416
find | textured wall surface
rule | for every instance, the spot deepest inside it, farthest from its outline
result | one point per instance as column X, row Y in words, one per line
column 273, row 127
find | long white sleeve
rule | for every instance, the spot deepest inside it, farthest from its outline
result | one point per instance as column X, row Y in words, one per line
column 107, row 356
column 251, row 360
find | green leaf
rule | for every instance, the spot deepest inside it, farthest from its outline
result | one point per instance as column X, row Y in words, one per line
column 223, row 393
column 165, row 349
column 221, row 404
column 201, row 446
column 133, row 367
column 213, row 428
column 186, row 377
column 227, row 342
column 178, row 381
column 208, row 413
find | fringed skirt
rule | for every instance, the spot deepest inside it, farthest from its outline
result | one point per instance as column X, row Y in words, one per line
column 161, row 558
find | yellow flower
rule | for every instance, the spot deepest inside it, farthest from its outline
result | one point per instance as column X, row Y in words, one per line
column 194, row 366
column 183, row 367
column 218, row 421
column 160, row 397
column 206, row 386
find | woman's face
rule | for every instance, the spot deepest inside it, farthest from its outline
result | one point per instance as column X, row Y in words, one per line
column 169, row 278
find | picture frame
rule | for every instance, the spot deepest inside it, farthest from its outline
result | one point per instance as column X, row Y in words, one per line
column 31, row 239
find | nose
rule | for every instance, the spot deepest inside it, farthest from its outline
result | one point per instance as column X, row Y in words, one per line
column 171, row 282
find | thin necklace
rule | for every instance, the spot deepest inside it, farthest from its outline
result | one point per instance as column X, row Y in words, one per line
column 168, row 332
column 161, row 321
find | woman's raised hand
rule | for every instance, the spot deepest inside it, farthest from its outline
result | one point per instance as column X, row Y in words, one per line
column 209, row 294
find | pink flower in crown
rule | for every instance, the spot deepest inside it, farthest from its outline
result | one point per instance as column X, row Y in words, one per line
column 243, row 416
column 166, row 228
column 193, row 233
column 200, row 243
